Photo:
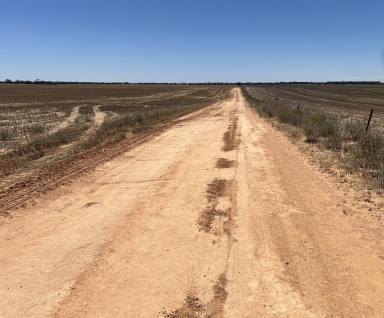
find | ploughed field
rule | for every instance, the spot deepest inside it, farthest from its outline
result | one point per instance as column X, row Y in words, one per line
column 41, row 124
column 350, row 100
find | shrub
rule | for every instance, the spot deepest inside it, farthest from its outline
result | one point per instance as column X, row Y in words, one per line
column 267, row 111
column 294, row 117
column 37, row 129
column 86, row 110
column 320, row 125
column 335, row 141
column 370, row 151
column 353, row 129
column 6, row 167
column 5, row 134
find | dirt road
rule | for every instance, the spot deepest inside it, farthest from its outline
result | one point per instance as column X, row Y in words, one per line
column 219, row 216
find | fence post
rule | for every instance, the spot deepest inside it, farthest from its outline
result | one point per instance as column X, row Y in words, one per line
column 298, row 106
column 369, row 120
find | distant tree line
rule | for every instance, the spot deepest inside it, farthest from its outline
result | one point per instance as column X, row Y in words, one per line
column 316, row 83
column 42, row 82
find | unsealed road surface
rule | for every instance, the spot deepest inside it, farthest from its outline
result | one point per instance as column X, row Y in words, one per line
column 218, row 216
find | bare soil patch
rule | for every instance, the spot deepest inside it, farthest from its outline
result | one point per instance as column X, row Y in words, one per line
column 19, row 93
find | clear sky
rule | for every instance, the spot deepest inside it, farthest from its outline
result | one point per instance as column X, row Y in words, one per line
column 196, row 40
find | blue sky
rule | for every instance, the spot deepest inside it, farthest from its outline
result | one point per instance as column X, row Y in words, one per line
column 163, row 40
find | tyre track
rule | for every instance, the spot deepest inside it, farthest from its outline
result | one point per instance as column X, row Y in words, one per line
column 216, row 222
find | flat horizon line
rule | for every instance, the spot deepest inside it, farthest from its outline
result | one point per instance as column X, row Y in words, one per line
column 43, row 82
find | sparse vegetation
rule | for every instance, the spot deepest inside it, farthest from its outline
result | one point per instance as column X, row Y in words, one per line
column 33, row 134
column 37, row 129
column 362, row 152
column 5, row 134
column 37, row 148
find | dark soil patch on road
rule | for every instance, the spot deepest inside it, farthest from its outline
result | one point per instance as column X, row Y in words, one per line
column 193, row 307
column 208, row 216
column 229, row 138
column 89, row 204
column 213, row 220
column 224, row 163
column 216, row 189
column 215, row 307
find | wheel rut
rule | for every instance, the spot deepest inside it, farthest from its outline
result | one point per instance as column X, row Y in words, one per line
column 217, row 220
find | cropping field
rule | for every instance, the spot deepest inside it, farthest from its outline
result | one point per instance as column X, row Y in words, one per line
column 42, row 123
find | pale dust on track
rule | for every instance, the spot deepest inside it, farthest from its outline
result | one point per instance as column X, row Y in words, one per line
column 125, row 240
column 68, row 121
column 99, row 116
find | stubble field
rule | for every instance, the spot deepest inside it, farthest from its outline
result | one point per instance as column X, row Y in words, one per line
column 41, row 124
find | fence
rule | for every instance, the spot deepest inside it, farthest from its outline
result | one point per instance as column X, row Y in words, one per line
column 371, row 117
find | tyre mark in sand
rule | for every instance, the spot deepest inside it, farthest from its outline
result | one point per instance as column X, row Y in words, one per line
column 218, row 220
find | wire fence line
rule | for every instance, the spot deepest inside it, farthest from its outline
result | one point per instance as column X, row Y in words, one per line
column 344, row 112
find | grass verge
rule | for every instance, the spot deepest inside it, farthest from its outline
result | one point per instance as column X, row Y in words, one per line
column 358, row 151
